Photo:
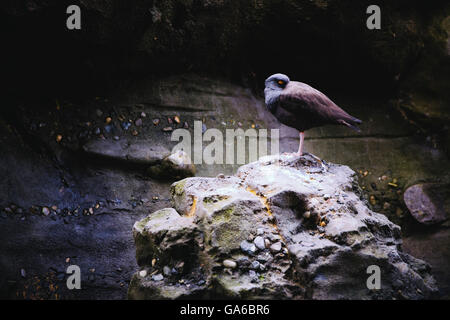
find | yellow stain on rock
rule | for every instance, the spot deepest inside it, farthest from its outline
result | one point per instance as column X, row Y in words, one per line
column 193, row 207
column 263, row 200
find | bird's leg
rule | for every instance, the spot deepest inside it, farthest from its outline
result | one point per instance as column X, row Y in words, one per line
column 300, row 146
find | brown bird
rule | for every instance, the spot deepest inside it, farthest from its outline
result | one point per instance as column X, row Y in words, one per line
column 302, row 107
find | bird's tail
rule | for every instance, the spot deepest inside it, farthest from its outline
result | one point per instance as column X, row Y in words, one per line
column 351, row 123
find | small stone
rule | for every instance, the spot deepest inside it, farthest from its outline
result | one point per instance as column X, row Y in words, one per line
column 167, row 271
column 108, row 128
column 108, row 120
column 204, row 128
column 372, row 200
column 186, row 125
column 134, row 132
column 243, row 261
column 307, row 214
column 143, row 273
column 276, row 247
column 248, row 247
column 220, row 176
column 153, row 262
column 255, row 265
column 67, row 260
column 260, row 231
column 143, row 115
column 97, row 131
column 125, row 125
column 59, row 138
column 267, row 243
column 157, row 277
column 259, row 243
column 23, row 273
column 169, row 120
column 227, row 263
column 116, row 138
column 274, row 237
column 99, row 112
column 138, row 122
column 45, row 211
column 155, row 121
column 167, row 129
column 176, row 119
column 386, row 205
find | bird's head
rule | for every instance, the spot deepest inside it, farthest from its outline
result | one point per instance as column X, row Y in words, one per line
column 277, row 81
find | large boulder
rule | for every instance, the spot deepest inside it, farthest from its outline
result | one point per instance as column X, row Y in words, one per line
column 283, row 227
column 428, row 203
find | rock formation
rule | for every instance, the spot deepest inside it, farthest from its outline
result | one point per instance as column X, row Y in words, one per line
column 284, row 227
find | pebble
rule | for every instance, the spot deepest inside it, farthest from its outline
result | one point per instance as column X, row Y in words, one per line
column 176, row 119
column 99, row 112
column 167, row 129
column 108, row 128
column 23, row 273
column 227, row 263
column 155, row 121
column 138, row 122
column 259, row 243
column 255, row 265
column 108, row 120
column 267, row 243
column 58, row 138
column 276, row 247
column 125, row 125
column 264, row 257
column 204, row 128
column 97, row 131
column 167, row 271
column 243, row 261
column 143, row 115
column 260, row 231
column 45, row 211
column 157, row 277
column 116, row 138
column 248, row 247
column 186, row 125
column 274, row 237
column 143, row 273
column 307, row 214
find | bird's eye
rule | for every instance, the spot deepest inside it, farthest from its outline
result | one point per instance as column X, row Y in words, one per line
column 280, row 82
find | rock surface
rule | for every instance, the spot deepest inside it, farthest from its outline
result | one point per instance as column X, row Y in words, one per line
column 322, row 238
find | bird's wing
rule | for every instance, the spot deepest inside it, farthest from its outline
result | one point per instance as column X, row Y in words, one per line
column 299, row 97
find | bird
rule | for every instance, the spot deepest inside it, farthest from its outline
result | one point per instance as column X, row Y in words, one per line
column 302, row 107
